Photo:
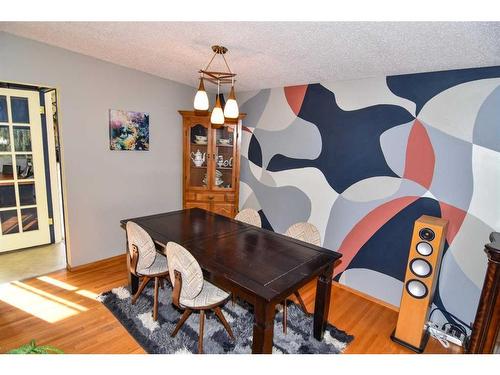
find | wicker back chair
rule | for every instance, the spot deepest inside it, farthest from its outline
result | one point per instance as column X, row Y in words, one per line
column 305, row 232
column 191, row 292
column 145, row 261
column 249, row 216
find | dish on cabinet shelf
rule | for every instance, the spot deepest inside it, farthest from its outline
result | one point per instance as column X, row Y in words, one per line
column 218, row 180
column 225, row 141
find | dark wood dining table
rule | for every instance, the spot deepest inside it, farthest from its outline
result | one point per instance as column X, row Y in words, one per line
column 260, row 266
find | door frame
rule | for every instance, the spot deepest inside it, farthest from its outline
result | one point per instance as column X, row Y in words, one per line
column 43, row 89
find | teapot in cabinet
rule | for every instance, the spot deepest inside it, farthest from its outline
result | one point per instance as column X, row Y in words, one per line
column 198, row 158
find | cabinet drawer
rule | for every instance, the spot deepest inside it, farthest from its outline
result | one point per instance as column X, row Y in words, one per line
column 225, row 209
column 210, row 197
column 230, row 197
column 190, row 196
column 204, row 205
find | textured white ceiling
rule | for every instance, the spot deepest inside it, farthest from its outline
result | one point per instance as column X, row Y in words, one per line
column 275, row 54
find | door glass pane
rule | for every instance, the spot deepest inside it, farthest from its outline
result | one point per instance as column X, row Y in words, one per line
column 7, row 194
column 198, row 155
column 224, row 138
column 20, row 111
column 29, row 218
column 4, row 115
column 24, row 166
column 27, row 193
column 22, row 138
column 4, row 138
column 6, row 168
column 8, row 220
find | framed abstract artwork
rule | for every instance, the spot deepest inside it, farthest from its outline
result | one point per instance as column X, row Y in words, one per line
column 128, row 130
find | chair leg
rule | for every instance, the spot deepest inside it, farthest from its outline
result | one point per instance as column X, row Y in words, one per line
column 285, row 316
column 224, row 322
column 161, row 283
column 202, row 327
column 145, row 282
column 184, row 317
column 155, row 304
column 301, row 301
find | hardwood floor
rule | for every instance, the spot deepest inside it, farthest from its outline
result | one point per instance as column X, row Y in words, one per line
column 370, row 322
column 60, row 309
column 80, row 324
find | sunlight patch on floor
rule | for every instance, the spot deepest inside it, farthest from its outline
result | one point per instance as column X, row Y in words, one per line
column 66, row 286
column 35, row 304
column 49, row 296
column 58, row 283
column 87, row 293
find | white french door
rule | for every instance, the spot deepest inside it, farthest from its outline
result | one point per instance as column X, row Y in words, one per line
column 24, row 219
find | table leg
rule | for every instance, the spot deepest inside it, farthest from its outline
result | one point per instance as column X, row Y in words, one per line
column 263, row 327
column 322, row 303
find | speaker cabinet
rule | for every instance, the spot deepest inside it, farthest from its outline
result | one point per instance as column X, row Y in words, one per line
column 422, row 273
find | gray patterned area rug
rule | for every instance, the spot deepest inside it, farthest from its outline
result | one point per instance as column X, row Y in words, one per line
column 155, row 337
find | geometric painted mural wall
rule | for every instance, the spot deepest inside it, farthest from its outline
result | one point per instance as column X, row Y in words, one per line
column 363, row 159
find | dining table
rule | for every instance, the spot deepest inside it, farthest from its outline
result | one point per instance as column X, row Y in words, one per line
column 258, row 265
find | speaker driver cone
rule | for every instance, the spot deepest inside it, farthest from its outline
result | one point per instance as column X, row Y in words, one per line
column 416, row 288
column 426, row 234
column 424, row 248
column 420, row 267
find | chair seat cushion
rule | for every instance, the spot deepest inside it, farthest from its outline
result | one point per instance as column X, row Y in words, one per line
column 209, row 295
column 159, row 266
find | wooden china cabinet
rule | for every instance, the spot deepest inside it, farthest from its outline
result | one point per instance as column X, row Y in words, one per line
column 211, row 164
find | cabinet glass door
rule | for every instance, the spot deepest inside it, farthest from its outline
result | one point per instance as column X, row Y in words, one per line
column 23, row 201
column 199, row 155
column 225, row 154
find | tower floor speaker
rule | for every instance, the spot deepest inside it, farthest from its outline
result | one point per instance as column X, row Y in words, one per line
column 422, row 273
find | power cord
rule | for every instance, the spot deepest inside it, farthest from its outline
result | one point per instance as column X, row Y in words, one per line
column 457, row 329
column 434, row 332
column 450, row 314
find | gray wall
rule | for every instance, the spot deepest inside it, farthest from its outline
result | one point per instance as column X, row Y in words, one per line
column 104, row 186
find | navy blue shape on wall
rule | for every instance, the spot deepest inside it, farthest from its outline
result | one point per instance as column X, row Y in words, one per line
column 351, row 148
column 254, row 151
column 421, row 87
column 265, row 223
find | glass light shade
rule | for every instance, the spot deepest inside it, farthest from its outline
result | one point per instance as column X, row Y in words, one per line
column 231, row 109
column 217, row 116
column 201, row 98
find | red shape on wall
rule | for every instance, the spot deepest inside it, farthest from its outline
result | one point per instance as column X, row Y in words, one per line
column 367, row 227
column 420, row 158
column 455, row 217
column 295, row 96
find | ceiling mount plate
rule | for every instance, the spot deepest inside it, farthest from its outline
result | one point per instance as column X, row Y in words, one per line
column 221, row 50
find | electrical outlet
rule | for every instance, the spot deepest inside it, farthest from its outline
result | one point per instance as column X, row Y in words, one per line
column 454, row 335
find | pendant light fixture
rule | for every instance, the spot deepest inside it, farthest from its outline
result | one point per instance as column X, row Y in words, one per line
column 231, row 110
column 217, row 117
column 201, row 98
